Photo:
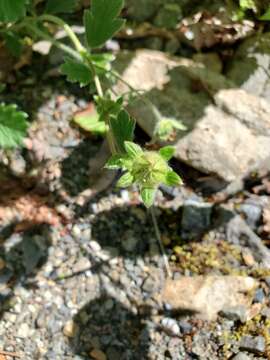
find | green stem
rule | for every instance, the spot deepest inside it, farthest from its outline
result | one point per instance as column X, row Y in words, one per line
column 71, row 34
column 56, row 43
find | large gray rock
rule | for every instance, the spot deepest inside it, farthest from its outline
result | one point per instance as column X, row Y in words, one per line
column 228, row 130
column 249, row 68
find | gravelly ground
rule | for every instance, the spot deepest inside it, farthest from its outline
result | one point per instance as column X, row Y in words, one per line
column 85, row 285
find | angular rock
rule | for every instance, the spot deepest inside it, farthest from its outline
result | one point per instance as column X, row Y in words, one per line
column 249, row 68
column 235, row 313
column 196, row 217
column 252, row 344
column 206, row 296
column 239, row 233
column 228, row 130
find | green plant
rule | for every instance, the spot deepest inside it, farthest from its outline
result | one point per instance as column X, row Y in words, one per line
column 33, row 18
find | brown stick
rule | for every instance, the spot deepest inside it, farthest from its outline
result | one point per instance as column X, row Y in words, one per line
column 8, row 353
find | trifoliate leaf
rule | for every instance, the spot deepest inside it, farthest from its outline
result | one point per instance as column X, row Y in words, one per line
column 13, row 43
column 12, row 10
column 101, row 22
column 91, row 123
column 148, row 196
column 125, row 180
column 102, row 62
column 77, row 72
column 266, row 16
column 60, row 6
column 167, row 152
column 132, row 149
column 122, row 127
column 173, row 179
column 114, row 163
column 13, row 126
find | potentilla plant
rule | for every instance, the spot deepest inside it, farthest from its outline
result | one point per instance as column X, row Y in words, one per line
column 21, row 19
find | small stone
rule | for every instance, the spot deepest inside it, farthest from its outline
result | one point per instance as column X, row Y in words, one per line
column 196, row 217
column 109, row 304
column 171, row 326
column 23, row 331
column 241, row 356
column 76, row 231
column 266, row 312
column 98, row 354
column 259, row 296
column 185, row 327
column 235, row 313
column 94, row 245
column 248, row 257
column 70, row 329
column 82, row 265
column 252, row 344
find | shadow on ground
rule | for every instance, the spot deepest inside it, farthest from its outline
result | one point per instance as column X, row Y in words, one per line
column 108, row 325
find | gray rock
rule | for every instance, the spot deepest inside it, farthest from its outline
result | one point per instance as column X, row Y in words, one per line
column 252, row 212
column 213, row 130
column 196, row 217
column 141, row 10
column 239, row 233
column 241, row 356
column 253, row 58
column 235, row 313
column 168, row 16
column 259, row 296
column 252, row 344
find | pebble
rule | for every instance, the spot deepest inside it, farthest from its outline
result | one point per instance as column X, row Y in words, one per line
column 259, row 296
column 185, row 327
column 241, row 356
column 23, row 331
column 70, row 329
column 170, row 326
column 252, row 344
column 94, row 245
column 235, row 313
column 98, row 354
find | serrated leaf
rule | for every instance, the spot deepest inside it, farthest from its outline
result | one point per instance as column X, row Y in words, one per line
column 114, row 163
column 132, row 149
column 12, row 10
column 148, row 196
column 13, row 43
column 91, row 123
column 266, row 16
column 13, row 126
column 101, row 22
column 125, row 180
column 76, row 72
column 167, row 152
column 60, row 6
column 173, row 179
column 122, row 127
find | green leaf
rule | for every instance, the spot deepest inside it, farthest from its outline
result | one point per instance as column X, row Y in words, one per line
column 148, row 196
column 173, row 179
column 122, row 128
column 132, row 149
column 13, row 43
column 247, row 4
column 266, row 16
column 91, row 123
column 60, row 6
column 13, row 126
column 12, row 10
column 125, row 180
column 167, row 152
column 77, row 72
column 101, row 22
column 114, row 163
